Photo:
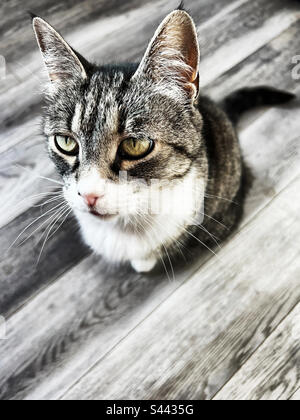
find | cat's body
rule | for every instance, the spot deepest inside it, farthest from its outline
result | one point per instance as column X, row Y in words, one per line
column 149, row 164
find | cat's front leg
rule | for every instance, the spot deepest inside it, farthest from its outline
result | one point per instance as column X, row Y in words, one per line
column 144, row 266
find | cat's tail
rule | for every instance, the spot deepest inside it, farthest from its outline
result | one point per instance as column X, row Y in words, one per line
column 245, row 99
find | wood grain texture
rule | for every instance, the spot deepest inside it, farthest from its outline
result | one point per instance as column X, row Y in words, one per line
column 274, row 162
column 72, row 321
column 271, row 63
column 68, row 16
column 22, row 274
column 84, row 319
column 253, row 25
column 296, row 396
column 198, row 339
column 273, row 372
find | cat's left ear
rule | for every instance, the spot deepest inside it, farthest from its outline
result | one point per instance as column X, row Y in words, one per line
column 62, row 63
column 173, row 56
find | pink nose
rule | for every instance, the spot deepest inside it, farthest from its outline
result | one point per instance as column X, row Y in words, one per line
column 91, row 199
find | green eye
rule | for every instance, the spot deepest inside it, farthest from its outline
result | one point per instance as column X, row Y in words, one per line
column 66, row 145
column 135, row 149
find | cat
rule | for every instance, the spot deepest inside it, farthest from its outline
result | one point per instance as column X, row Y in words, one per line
column 150, row 166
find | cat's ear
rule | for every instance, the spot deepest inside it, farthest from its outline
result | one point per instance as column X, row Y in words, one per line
column 62, row 63
column 173, row 55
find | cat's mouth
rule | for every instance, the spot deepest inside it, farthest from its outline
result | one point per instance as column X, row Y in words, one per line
column 102, row 216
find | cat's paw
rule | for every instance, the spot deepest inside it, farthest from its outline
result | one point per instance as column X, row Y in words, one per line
column 144, row 266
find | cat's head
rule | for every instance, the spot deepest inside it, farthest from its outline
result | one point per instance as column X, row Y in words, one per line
column 126, row 139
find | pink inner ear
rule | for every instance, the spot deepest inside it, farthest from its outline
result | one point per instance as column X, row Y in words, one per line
column 61, row 61
column 174, row 54
column 54, row 77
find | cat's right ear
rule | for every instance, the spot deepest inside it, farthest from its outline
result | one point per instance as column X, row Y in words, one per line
column 62, row 63
column 173, row 57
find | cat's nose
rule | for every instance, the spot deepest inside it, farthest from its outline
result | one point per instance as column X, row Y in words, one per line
column 90, row 199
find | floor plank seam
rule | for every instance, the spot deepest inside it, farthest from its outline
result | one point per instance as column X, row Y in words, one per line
column 256, row 350
column 244, row 60
column 295, row 393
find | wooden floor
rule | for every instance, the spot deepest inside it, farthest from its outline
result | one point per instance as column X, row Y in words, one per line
column 228, row 327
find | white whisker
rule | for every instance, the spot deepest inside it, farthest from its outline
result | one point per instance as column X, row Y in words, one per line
column 39, row 176
column 215, row 240
column 60, row 215
column 32, row 197
column 32, row 223
column 220, row 198
column 167, row 254
column 39, row 227
column 65, row 218
column 51, row 200
column 215, row 220
column 150, row 240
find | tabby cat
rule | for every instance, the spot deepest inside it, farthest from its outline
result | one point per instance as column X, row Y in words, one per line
column 149, row 165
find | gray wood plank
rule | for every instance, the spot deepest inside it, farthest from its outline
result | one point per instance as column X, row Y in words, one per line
column 270, row 145
column 256, row 22
column 273, row 372
column 200, row 337
column 22, row 274
column 259, row 67
column 84, row 320
column 296, row 396
column 67, row 16
column 23, row 170
column 16, row 35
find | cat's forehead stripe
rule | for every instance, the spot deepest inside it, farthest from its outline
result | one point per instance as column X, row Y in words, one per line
column 100, row 105
column 77, row 118
column 91, row 101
